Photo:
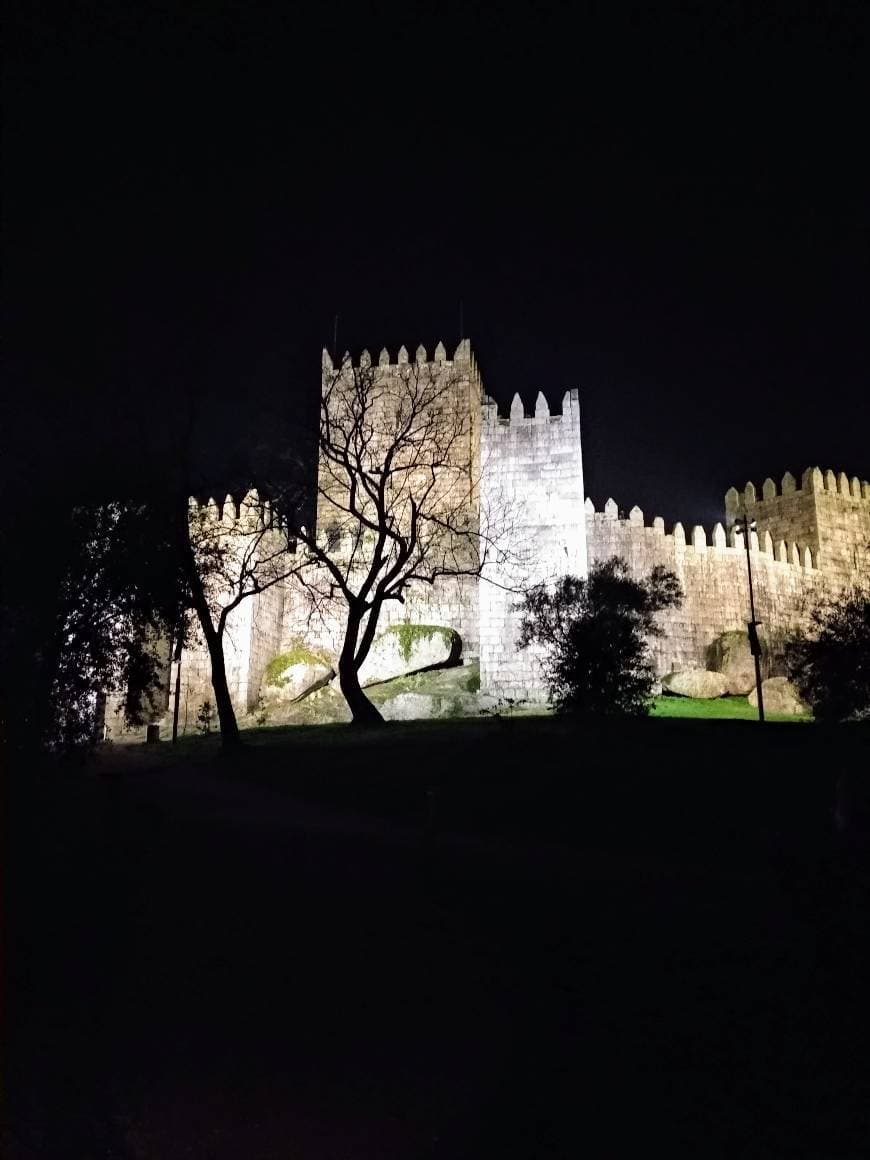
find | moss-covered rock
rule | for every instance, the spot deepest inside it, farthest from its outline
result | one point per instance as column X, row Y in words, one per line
column 410, row 648
column 292, row 675
column 436, row 693
column 449, row 692
column 298, row 654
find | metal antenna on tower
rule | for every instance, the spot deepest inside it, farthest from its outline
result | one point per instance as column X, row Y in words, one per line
column 461, row 322
column 334, row 337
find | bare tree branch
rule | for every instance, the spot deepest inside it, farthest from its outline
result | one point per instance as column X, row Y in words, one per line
column 398, row 500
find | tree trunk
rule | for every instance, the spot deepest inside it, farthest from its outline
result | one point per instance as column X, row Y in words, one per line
column 363, row 712
column 230, row 736
column 226, row 714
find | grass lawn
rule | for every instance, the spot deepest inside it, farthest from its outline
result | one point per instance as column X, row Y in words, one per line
column 533, row 774
column 715, row 709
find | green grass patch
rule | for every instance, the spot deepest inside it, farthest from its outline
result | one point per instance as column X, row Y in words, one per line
column 714, row 709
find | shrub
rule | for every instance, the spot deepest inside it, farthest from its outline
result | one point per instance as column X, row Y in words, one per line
column 830, row 665
column 204, row 717
column 595, row 633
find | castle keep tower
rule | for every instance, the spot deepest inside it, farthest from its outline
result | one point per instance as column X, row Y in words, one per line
column 829, row 513
column 452, row 388
column 454, row 385
column 527, row 472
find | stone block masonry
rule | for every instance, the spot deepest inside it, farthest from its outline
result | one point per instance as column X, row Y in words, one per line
column 712, row 572
column 531, row 469
column 829, row 512
column 526, row 467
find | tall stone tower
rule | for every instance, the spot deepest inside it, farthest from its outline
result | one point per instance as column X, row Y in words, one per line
column 531, row 468
column 828, row 512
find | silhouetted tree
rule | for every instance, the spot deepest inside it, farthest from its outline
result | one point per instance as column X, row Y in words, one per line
column 595, row 633
column 397, row 501
column 830, row 663
column 117, row 594
column 226, row 559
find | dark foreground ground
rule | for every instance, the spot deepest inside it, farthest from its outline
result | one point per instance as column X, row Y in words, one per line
column 500, row 938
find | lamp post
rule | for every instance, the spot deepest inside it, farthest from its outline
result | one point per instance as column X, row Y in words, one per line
column 746, row 526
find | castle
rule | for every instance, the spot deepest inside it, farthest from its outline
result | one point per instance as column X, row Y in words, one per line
column 812, row 536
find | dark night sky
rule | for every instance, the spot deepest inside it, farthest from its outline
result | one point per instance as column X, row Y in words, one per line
column 665, row 208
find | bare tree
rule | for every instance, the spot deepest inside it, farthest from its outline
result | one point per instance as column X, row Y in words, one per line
column 398, row 499
column 228, row 557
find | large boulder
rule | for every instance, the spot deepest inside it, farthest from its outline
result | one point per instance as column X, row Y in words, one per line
column 410, row 707
column 695, row 683
column 410, row 648
column 451, row 692
column 729, row 655
column 422, row 706
column 292, row 674
column 780, row 696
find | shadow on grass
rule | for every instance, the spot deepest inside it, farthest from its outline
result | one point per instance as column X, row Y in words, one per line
column 189, row 981
column 651, row 782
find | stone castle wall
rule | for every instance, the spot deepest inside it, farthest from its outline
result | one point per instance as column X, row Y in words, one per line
column 713, row 574
column 452, row 387
column 532, row 466
column 811, row 539
column 267, row 636
column 829, row 512
column 453, row 603
column 253, row 630
column 531, row 470
column 252, row 637
column 275, row 621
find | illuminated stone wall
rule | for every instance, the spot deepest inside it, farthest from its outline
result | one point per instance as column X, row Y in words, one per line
column 532, row 471
column 713, row 574
column 441, row 391
column 254, row 628
column 811, row 538
column 452, row 601
column 828, row 511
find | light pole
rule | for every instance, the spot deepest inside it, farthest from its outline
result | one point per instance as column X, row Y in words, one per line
column 747, row 526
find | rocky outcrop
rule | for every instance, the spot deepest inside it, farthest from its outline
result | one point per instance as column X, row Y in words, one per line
column 451, row 692
column 780, row 696
column 426, row 706
column 695, row 683
column 295, row 674
column 729, row 655
column 410, row 648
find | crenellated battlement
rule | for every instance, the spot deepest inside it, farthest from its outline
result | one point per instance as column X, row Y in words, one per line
column 518, row 417
column 241, row 513
column 463, row 359
column 829, row 511
column 813, row 481
column 531, row 470
column 790, row 554
column 711, row 567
